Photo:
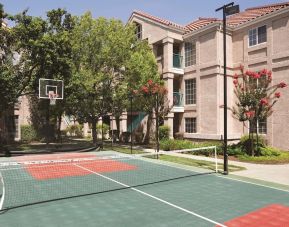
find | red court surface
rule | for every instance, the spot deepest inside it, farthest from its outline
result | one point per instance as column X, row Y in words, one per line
column 275, row 215
column 45, row 171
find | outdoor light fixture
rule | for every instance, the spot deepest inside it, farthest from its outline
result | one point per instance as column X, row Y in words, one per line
column 228, row 9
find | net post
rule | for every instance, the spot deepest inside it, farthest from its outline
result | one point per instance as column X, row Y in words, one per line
column 216, row 159
column 3, row 192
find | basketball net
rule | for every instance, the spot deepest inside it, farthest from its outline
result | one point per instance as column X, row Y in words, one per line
column 52, row 98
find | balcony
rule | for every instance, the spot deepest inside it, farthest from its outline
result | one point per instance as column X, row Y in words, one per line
column 178, row 64
column 178, row 105
column 177, row 61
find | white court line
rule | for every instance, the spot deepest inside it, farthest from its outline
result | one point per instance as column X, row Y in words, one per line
column 154, row 197
column 248, row 182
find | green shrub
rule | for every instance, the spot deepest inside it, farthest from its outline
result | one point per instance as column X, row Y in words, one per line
column 103, row 127
column 171, row 144
column 75, row 130
column 209, row 151
column 164, row 132
column 270, row 151
column 261, row 140
column 235, row 150
column 245, row 143
column 28, row 133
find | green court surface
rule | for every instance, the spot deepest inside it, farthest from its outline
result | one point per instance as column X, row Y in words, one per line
column 190, row 199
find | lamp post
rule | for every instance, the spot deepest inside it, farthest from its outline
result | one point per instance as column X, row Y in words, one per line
column 157, row 124
column 228, row 9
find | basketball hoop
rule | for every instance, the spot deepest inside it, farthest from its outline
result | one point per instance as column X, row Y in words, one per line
column 52, row 98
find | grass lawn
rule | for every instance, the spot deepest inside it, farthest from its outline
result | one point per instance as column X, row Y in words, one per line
column 280, row 159
column 195, row 163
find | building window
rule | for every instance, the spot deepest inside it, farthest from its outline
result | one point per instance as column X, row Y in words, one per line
column 190, row 54
column 138, row 31
column 190, row 91
column 190, row 125
column 261, row 125
column 257, row 35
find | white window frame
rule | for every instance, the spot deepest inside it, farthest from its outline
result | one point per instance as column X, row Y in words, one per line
column 258, row 127
column 194, row 128
column 265, row 127
column 256, row 34
column 193, row 54
column 194, row 92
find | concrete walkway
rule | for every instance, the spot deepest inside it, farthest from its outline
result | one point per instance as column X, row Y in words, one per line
column 271, row 173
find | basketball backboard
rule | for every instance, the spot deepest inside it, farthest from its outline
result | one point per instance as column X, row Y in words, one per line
column 50, row 86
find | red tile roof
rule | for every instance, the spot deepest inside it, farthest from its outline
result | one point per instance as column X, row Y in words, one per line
column 255, row 12
column 201, row 22
column 158, row 20
column 234, row 20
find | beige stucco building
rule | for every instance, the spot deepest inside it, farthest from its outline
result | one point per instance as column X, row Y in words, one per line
column 190, row 61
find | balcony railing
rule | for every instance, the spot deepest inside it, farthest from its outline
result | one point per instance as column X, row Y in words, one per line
column 178, row 99
column 177, row 61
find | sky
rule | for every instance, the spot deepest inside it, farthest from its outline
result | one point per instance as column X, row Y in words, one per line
column 178, row 11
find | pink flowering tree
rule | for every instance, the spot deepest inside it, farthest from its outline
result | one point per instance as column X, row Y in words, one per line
column 151, row 97
column 256, row 96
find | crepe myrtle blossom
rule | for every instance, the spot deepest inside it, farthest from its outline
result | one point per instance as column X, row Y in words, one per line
column 264, row 102
column 277, row 95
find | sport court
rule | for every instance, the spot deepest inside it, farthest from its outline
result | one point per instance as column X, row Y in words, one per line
column 113, row 189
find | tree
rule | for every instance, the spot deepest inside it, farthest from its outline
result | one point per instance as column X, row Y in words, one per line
column 45, row 51
column 152, row 97
column 256, row 97
column 141, row 75
column 101, row 49
column 10, row 75
column 12, row 81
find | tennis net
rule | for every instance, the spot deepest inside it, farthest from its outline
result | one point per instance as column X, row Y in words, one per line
column 37, row 179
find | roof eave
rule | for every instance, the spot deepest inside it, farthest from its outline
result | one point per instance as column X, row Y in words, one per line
column 180, row 30
column 261, row 18
column 204, row 28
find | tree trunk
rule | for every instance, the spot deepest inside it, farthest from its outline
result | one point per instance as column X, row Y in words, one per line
column 3, row 139
column 257, row 138
column 59, row 127
column 117, row 121
column 94, row 131
column 149, row 124
column 251, row 137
